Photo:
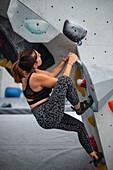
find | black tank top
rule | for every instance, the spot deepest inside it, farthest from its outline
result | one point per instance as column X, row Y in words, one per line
column 36, row 96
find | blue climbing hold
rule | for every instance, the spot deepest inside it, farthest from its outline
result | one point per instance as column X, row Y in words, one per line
column 79, row 43
column 93, row 107
column 36, row 26
column 6, row 105
column 13, row 92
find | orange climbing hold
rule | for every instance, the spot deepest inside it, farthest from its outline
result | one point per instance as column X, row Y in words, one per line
column 91, row 120
column 94, row 143
column 110, row 103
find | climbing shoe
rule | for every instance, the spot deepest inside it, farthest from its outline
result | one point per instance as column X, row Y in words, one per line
column 84, row 106
column 97, row 161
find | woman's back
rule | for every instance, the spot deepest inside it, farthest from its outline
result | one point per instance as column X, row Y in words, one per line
column 32, row 89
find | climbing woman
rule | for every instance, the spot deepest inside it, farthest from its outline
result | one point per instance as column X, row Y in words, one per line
column 49, row 109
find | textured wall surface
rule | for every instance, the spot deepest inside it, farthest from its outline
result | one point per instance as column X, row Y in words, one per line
column 96, row 49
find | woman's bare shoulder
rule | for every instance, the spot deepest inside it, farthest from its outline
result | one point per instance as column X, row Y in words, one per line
column 43, row 71
column 40, row 75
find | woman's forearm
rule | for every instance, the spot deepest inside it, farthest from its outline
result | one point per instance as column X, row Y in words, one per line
column 57, row 70
column 67, row 71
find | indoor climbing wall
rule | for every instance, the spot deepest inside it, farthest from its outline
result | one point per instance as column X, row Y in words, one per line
column 30, row 26
column 95, row 51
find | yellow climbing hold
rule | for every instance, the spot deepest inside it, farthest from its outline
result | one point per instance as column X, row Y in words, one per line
column 101, row 167
column 3, row 62
column 91, row 120
column 9, row 64
column 77, row 76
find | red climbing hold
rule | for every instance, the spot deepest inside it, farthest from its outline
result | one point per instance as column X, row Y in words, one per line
column 110, row 103
column 1, row 43
column 94, row 143
column 81, row 82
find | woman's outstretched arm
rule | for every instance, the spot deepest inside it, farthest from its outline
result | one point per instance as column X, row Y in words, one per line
column 72, row 58
column 57, row 70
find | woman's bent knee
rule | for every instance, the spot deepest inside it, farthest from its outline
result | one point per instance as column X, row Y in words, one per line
column 64, row 78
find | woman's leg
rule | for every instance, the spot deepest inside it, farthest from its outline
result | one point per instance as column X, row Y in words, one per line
column 69, row 123
column 63, row 88
column 54, row 109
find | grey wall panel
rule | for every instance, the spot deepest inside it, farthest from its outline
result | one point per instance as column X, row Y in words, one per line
column 104, row 122
column 18, row 13
column 96, row 16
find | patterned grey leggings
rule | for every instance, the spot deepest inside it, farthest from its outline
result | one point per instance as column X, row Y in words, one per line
column 51, row 114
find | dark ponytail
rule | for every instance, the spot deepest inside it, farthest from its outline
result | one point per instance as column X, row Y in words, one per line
column 24, row 63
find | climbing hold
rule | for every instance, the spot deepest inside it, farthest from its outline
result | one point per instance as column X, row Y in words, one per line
column 103, row 160
column 91, row 120
column 101, row 167
column 79, row 43
column 93, row 107
column 74, row 32
column 92, row 88
column 79, row 64
column 1, row 43
column 36, row 26
column 3, row 62
column 81, row 82
column 77, row 76
column 6, row 105
column 9, row 64
column 94, row 143
column 13, row 92
column 110, row 103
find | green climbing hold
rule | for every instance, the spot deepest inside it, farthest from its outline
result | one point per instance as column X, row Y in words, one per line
column 36, row 26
